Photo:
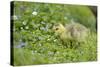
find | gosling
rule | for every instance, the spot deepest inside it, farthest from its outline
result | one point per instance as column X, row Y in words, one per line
column 73, row 32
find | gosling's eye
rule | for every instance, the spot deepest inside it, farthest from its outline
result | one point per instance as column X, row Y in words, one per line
column 57, row 28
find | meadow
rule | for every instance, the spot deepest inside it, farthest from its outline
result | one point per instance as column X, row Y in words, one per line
column 34, row 41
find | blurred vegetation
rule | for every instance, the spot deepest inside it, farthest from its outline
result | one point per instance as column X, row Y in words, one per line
column 36, row 43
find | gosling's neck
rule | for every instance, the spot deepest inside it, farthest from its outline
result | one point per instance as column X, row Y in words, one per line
column 63, row 30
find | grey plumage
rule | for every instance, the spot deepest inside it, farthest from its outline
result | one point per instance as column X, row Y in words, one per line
column 71, row 31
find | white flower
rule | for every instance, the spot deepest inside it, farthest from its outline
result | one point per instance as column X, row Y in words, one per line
column 14, row 17
column 26, row 27
column 24, row 22
column 21, row 28
column 43, row 22
column 34, row 13
column 55, row 40
column 65, row 18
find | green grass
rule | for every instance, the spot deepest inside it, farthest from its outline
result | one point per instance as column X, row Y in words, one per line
column 40, row 44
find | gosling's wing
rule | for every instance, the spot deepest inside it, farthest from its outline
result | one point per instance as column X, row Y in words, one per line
column 80, row 32
column 75, row 30
column 69, row 31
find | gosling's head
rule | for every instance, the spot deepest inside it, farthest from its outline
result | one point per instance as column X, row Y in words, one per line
column 58, row 28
